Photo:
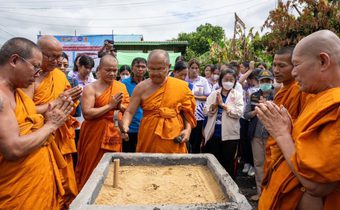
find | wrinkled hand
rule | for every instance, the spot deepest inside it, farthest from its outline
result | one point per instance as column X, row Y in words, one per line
column 116, row 100
column 276, row 119
column 57, row 115
column 74, row 93
column 185, row 134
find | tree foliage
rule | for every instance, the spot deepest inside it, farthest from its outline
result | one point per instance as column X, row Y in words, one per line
column 200, row 39
column 244, row 48
column 287, row 28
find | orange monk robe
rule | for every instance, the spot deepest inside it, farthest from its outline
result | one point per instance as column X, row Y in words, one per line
column 293, row 99
column 317, row 154
column 31, row 182
column 49, row 89
column 162, row 118
column 99, row 135
column 317, row 143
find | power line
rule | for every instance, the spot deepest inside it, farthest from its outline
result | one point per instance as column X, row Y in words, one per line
column 95, row 5
column 7, row 32
column 134, row 26
column 130, row 18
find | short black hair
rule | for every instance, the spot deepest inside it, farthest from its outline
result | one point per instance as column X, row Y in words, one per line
column 245, row 64
column 285, row 50
column 75, row 67
column 124, row 68
column 263, row 64
column 180, row 58
column 212, row 67
column 86, row 61
column 64, row 55
column 180, row 66
column 227, row 71
column 138, row 60
column 254, row 74
column 18, row 45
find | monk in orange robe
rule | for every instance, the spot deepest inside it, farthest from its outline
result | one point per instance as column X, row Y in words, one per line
column 48, row 89
column 168, row 109
column 309, row 175
column 98, row 133
column 29, row 159
column 290, row 96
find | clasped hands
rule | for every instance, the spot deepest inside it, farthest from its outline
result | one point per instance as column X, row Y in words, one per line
column 276, row 119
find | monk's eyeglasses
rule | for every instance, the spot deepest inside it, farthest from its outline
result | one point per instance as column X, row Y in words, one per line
column 37, row 69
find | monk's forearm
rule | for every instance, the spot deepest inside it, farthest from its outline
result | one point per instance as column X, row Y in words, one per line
column 313, row 188
column 94, row 113
column 24, row 145
column 41, row 109
column 187, row 125
column 126, row 121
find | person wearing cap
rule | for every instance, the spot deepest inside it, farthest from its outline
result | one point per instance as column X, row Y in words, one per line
column 257, row 132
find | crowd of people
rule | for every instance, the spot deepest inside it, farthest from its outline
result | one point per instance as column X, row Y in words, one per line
column 280, row 123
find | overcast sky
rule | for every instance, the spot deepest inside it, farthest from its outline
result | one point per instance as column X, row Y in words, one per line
column 156, row 20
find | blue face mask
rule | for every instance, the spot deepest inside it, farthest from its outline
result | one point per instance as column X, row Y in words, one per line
column 266, row 87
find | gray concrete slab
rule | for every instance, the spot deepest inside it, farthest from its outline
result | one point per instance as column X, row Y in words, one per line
column 86, row 198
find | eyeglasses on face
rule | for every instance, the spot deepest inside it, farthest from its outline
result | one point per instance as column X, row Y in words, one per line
column 37, row 69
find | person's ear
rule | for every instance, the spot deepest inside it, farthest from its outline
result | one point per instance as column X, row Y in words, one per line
column 13, row 60
column 325, row 61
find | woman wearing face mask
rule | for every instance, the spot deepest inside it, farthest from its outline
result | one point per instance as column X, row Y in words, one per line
column 124, row 72
column 224, row 107
column 256, row 131
column 213, row 80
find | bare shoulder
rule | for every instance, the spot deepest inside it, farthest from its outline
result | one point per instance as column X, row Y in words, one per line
column 4, row 102
column 89, row 88
column 142, row 86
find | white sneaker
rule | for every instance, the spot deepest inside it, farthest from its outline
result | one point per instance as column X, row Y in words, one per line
column 246, row 168
column 251, row 171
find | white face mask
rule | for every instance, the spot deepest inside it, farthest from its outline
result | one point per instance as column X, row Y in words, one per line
column 215, row 77
column 125, row 77
column 228, row 85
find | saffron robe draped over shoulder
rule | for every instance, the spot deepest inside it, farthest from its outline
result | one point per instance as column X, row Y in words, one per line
column 317, row 154
column 99, row 135
column 49, row 89
column 162, row 120
column 293, row 99
column 33, row 181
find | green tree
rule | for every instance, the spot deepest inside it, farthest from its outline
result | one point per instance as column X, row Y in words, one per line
column 311, row 15
column 199, row 41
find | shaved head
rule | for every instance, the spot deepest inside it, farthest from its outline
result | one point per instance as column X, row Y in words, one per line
column 108, row 58
column 316, row 60
column 51, row 49
column 47, row 42
column 159, row 54
column 321, row 41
